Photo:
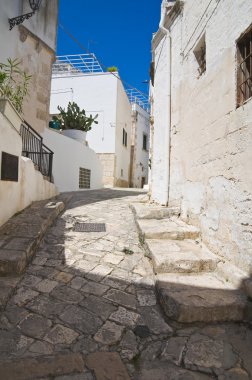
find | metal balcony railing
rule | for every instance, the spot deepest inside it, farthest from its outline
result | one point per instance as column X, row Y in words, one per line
column 33, row 148
column 86, row 64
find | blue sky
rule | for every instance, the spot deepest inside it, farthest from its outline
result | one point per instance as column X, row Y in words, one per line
column 118, row 32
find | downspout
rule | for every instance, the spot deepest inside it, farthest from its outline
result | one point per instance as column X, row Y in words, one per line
column 167, row 136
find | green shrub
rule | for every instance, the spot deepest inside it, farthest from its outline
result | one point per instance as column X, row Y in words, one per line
column 14, row 83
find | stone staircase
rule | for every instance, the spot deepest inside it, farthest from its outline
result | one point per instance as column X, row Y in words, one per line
column 189, row 280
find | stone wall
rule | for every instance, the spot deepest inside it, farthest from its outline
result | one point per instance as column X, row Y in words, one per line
column 37, row 59
column 108, row 164
column 211, row 139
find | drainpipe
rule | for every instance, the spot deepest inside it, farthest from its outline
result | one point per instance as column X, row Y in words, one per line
column 167, row 135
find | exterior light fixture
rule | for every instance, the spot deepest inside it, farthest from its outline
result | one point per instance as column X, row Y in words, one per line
column 34, row 5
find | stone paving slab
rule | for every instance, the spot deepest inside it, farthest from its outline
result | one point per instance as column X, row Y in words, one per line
column 63, row 306
column 107, row 365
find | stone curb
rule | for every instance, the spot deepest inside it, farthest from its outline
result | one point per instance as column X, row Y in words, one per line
column 20, row 238
column 33, row 368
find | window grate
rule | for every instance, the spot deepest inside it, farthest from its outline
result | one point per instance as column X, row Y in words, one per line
column 244, row 70
column 84, row 178
column 144, row 141
column 125, row 136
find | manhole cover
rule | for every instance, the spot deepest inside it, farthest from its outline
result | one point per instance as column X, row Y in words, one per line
column 89, row 227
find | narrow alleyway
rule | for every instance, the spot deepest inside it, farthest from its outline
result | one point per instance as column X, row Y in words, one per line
column 91, row 293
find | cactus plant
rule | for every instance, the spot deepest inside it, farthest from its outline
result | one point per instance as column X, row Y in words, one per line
column 75, row 118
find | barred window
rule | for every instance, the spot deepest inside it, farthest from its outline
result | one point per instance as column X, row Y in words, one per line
column 244, row 70
column 144, row 141
column 125, row 135
column 84, row 178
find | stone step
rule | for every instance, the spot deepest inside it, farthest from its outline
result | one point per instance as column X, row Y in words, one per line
column 180, row 256
column 21, row 235
column 201, row 298
column 151, row 211
column 172, row 228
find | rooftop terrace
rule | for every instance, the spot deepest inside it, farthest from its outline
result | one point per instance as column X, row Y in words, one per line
column 84, row 64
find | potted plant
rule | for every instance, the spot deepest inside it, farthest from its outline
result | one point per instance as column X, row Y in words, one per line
column 74, row 122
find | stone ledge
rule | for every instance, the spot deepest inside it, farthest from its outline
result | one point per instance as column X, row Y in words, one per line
column 20, row 238
column 16, row 250
column 33, row 368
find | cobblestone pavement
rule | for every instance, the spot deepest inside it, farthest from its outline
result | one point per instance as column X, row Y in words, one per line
column 93, row 293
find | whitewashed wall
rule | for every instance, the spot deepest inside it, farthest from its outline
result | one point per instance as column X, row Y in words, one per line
column 31, row 186
column 69, row 156
column 123, row 120
column 97, row 94
column 141, row 156
column 161, row 120
column 33, row 43
column 211, row 140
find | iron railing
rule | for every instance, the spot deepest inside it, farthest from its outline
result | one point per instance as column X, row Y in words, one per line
column 33, row 148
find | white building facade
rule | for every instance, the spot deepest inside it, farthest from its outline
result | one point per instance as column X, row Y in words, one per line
column 81, row 79
column 140, row 144
column 202, row 114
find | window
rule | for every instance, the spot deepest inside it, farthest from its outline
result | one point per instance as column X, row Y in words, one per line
column 144, row 141
column 200, row 55
column 125, row 135
column 244, row 69
column 84, row 178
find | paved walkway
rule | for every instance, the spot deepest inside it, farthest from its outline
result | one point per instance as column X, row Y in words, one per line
column 93, row 293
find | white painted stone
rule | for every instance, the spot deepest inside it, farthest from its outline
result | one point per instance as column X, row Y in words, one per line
column 31, row 186
column 210, row 141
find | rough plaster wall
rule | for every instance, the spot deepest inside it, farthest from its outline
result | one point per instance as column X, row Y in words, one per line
column 123, row 120
column 69, row 156
column 31, row 186
column 141, row 156
column 43, row 23
column 108, row 164
column 211, row 141
column 161, row 120
column 36, row 58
